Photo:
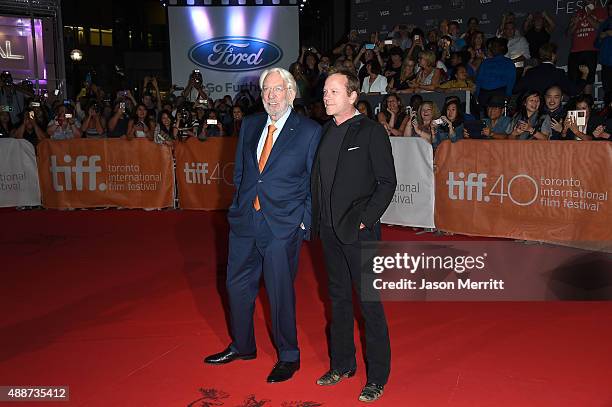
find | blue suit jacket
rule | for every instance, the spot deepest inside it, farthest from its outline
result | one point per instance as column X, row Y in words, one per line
column 284, row 185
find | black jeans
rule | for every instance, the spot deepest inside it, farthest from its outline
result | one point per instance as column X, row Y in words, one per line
column 343, row 264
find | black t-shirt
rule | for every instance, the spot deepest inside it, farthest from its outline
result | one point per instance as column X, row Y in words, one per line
column 120, row 129
column 536, row 39
column 328, row 159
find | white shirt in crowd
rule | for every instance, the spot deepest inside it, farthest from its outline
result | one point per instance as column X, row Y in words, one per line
column 379, row 85
column 518, row 46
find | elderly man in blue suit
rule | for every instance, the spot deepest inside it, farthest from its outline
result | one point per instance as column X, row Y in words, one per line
column 269, row 217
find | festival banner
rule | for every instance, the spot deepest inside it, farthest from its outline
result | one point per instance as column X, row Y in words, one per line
column 86, row 173
column 205, row 172
column 413, row 202
column 18, row 174
column 546, row 191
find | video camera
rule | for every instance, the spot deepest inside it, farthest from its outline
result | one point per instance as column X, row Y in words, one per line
column 6, row 78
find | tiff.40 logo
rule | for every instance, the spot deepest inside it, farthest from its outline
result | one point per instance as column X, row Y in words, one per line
column 84, row 167
column 198, row 173
column 473, row 188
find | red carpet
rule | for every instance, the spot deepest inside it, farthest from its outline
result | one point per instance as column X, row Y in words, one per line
column 122, row 305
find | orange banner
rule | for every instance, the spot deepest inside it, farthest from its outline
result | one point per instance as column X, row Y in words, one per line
column 205, row 171
column 86, row 173
column 547, row 191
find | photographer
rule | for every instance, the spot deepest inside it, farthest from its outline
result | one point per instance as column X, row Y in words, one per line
column 185, row 124
column 151, row 94
column 594, row 125
column 94, row 125
column 118, row 123
column 196, row 82
column 212, row 127
column 29, row 129
column 137, row 126
column 64, row 126
column 12, row 96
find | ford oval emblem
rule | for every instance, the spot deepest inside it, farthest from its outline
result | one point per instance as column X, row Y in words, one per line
column 235, row 54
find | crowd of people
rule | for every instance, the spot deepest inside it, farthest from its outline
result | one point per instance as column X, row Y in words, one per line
column 518, row 91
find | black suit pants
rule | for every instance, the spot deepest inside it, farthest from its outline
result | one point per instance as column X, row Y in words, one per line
column 343, row 264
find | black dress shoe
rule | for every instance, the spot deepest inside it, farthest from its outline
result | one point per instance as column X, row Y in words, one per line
column 227, row 356
column 283, row 371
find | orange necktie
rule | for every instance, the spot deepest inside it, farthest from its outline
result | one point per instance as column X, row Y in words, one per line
column 263, row 158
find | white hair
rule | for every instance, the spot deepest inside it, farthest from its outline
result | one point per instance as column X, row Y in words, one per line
column 285, row 75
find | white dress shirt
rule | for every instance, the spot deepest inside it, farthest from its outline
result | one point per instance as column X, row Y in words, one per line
column 279, row 127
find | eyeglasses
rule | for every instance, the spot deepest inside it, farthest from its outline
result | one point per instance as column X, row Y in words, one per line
column 275, row 90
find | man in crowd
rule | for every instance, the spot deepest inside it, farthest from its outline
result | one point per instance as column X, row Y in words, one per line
column 547, row 74
column 269, row 217
column 353, row 182
column 583, row 29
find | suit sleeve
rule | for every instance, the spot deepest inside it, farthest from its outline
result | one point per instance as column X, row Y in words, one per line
column 239, row 162
column 381, row 157
column 312, row 150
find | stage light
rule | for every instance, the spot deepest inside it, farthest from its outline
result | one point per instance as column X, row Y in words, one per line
column 225, row 2
column 276, row 2
column 259, row 2
column 241, row 2
column 190, row 2
column 173, row 2
column 76, row 55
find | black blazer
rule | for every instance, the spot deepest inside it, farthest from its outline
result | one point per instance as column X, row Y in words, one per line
column 545, row 75
column 364, row 181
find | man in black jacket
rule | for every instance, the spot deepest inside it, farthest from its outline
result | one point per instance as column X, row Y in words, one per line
column 353, row 182
column 547, row 74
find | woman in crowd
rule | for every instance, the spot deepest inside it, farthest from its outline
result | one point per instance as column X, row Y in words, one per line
column 393, row 68
column 428, row 78
column 421, row 123
column 496, row 125
column 374, row 82
column 418, row 44
column 407, row 75
column 529, row 123
column 461, row 82
column 392, row 115
column 310, row 68
column 537, row 29
column 364, row 107
column 452, row 128
column 137, row 126
column 594, row 127
column 94, row 125
column 477, row 50
column 29, row 129
column 363, row 57
column 237, row 116
column 6, row 126
column 302, row 84
column 165, row 131
column 64, row 126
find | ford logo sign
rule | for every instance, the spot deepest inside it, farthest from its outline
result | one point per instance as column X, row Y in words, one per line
column 235, row 54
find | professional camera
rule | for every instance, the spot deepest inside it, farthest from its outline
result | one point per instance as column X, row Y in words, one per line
column 6, row 78
column 196, row 76
column 186, row 123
